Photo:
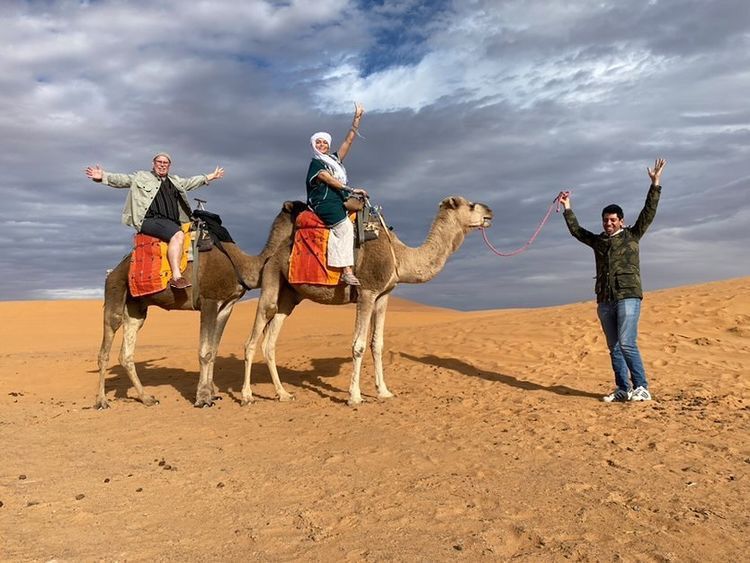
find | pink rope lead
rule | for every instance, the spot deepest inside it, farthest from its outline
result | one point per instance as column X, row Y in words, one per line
column 555, row 205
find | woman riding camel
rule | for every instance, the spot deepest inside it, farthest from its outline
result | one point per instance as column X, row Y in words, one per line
column 327, row 194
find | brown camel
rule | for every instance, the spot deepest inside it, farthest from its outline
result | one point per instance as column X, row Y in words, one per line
column 219, row 289
column 381, row 265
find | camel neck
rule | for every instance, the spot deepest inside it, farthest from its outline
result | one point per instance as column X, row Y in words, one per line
column 421, row 264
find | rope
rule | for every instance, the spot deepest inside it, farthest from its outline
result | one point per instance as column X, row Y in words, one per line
column 554, row 205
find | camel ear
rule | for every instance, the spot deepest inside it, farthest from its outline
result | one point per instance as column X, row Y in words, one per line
column 449, row 203
column 287, row 206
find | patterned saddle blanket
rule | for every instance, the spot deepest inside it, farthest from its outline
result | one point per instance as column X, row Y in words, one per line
column 308, row 261
column 149, row 268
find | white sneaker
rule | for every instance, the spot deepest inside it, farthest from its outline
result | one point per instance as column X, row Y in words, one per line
column 618, row 396
column 640, row 394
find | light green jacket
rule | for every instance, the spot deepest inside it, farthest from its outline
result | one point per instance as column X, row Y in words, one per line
column 143, row 187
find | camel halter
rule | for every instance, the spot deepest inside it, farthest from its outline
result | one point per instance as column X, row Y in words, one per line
column 554, row 205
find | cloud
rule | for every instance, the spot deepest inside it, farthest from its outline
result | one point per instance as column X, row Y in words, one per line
column 503, row 102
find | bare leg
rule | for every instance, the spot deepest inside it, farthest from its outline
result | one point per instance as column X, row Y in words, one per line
column 174, row 253
column 376, row 345
column 365, row 306
column 133, row 320
column 285, row 308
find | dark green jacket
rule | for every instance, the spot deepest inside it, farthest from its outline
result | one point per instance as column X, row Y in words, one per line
column 618, row 268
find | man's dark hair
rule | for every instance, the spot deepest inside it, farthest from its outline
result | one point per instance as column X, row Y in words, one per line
column 613, row 208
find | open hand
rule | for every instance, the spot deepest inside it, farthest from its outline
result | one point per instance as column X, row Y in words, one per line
column 359, row 110
column 95, row 172
column 216, row 174
column 655, row 172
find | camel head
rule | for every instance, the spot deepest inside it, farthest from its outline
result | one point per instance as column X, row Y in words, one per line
column 470, row 215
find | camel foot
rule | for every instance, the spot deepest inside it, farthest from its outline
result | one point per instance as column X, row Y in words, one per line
column 354, row 401
column 101, row 404
column 149, row 400
column 203, row 403
column 247, row 401
column 285, row 397
column 385, row 394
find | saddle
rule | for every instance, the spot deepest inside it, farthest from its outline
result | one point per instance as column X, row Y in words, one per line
column 149, row 268
column 308, row 259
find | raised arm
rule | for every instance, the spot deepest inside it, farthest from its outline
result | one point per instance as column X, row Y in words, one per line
column 359, row 110
column 586, row 237
column 647, row 214
column 99, row 175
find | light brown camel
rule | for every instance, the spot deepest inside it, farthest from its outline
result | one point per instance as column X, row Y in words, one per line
column 219, row 289
column 381, row 265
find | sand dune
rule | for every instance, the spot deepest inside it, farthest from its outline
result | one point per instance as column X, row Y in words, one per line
column 496, row 446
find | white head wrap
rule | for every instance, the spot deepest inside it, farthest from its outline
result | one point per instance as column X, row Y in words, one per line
column 333, row 164
column 164, row 154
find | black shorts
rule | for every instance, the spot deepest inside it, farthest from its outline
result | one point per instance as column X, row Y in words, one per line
column 159, row 227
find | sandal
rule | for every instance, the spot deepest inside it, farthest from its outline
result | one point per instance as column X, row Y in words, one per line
column 349, row 279
column 179, row 283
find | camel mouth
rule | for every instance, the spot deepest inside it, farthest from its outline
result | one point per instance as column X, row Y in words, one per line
column 486, row 222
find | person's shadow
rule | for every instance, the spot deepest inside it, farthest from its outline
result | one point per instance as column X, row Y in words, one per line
column 229, row 373
column 473, row 371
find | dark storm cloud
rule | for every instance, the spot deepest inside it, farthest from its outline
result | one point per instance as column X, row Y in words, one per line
column 505, row 103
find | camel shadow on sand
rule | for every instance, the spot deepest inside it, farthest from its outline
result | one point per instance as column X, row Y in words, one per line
column 464, row 368
column 228, row 378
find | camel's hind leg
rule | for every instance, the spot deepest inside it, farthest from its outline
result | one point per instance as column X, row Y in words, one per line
column 267, row 308
column 285, row 307
column 133, row 319
column 376, row 345
column 214, row 317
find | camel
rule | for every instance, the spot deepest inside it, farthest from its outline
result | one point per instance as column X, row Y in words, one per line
column 219, row 289
column 381, row 265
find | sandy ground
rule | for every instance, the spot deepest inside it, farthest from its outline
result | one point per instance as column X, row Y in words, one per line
column 496, row 446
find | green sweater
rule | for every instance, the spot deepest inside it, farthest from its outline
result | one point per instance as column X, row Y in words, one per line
column 618, row 269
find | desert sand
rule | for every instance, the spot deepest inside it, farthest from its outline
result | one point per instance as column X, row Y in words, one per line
column 496, row 446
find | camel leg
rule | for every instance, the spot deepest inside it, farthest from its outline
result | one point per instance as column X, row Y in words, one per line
column 113, row 312
column 133, row 319
column 225, row 311
column 285, row 307
column 267, row 307
column 207, row 351
column 365, row 306
column 376, row 345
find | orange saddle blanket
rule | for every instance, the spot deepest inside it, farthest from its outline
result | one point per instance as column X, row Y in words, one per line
column 149, row 268
column 308, row 262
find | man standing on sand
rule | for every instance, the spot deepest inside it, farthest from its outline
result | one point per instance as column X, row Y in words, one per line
column 158, row 204
column 618, row 286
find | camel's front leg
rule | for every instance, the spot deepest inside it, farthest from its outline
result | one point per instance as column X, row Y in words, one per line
column 365, row 305
column 376, row 345
column 209, row 314
column 214, row 317
column 133, row 320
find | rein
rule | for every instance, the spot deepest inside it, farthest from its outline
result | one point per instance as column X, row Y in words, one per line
column 554, row 205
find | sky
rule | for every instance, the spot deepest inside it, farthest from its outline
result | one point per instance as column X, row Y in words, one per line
column 502, row 102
